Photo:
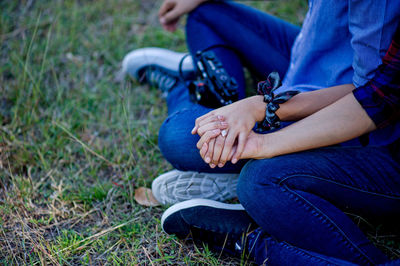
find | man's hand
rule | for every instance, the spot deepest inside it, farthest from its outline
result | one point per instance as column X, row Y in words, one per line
column 171, row 10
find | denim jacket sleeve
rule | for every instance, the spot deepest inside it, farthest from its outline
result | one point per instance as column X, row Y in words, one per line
column 371, row 25
column 380, row 97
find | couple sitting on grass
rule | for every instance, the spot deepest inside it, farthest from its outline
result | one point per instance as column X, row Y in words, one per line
column 297, row 185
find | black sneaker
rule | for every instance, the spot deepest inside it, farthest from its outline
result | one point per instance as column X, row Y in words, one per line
column 222, row 226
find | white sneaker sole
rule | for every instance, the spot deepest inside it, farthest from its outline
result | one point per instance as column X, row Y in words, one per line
column 176, row 186
column 198, row 202
column 137, row 59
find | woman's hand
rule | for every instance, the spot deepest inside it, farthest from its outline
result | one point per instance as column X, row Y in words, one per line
column 171, row 10
column 241, row 117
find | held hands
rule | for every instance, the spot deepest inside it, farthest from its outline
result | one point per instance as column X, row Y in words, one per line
column 171, row 10
column 219, row 144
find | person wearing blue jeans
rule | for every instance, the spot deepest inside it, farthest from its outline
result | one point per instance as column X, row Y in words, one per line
column 309, row 58
column 295, row 199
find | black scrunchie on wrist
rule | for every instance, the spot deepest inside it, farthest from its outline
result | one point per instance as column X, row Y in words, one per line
column 267, row 88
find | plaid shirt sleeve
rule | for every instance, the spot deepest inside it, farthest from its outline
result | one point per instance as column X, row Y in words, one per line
column 380, row 97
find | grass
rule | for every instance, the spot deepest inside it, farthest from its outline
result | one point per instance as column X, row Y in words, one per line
column 76, row 140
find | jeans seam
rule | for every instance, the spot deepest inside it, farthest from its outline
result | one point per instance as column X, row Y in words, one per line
column 346, row 239
column 305, row 253
column 339, row 184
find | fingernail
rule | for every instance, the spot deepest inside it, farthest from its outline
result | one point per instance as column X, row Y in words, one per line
column 212, row 165
column 162, row 20
column 220, row 117
column 220, row 165
column 234, row 160
column 224, row 124
column 216, row 131
column 208, row 159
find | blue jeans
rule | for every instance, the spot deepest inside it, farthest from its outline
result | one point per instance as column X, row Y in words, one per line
column 303, row 197
column 296, row 199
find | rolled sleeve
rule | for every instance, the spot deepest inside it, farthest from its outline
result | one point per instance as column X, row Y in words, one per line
column 371, row 24
column 380, row 97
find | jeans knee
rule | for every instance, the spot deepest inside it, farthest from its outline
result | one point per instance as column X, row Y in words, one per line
column 204, row 10
column 206, row 13
column 248, row 183
column 175, row 141
column 173, row 135
column 164, row 136
column 259, row 176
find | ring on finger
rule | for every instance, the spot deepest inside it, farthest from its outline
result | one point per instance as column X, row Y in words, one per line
column 224, row 133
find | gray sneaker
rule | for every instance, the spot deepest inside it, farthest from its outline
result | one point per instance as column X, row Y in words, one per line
column 177, row 186
column 137, row 61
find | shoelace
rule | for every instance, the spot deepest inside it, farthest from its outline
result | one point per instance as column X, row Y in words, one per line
column 158, row 78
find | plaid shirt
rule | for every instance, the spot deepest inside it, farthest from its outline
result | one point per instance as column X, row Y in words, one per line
column 380, row 97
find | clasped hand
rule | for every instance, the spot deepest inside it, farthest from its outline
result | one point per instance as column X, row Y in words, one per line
column 226, row 133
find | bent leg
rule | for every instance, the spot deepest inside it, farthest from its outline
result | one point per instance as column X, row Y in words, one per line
column 258, row 40
column 302, row 197
column 261, row 41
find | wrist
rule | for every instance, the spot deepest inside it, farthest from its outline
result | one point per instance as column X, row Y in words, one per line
column 258, row 107
column 268, row 146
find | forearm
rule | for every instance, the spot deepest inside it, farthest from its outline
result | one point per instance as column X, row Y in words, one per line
column 307, row 103
column 338, row 122
column 303, row 104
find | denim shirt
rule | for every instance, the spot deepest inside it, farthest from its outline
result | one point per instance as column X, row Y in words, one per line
column 341, row 42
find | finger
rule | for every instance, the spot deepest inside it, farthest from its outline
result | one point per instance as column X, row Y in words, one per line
column 229, row 142
column 211, row 118
column 240, row 147
column 203, row 150
column 165, row 7
column 211, row 126
column 171, row 16
column 201, row 121
column 207, row 137
column 232, row 152
column 196, row 123
column 218, row 147
column 210, row 151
